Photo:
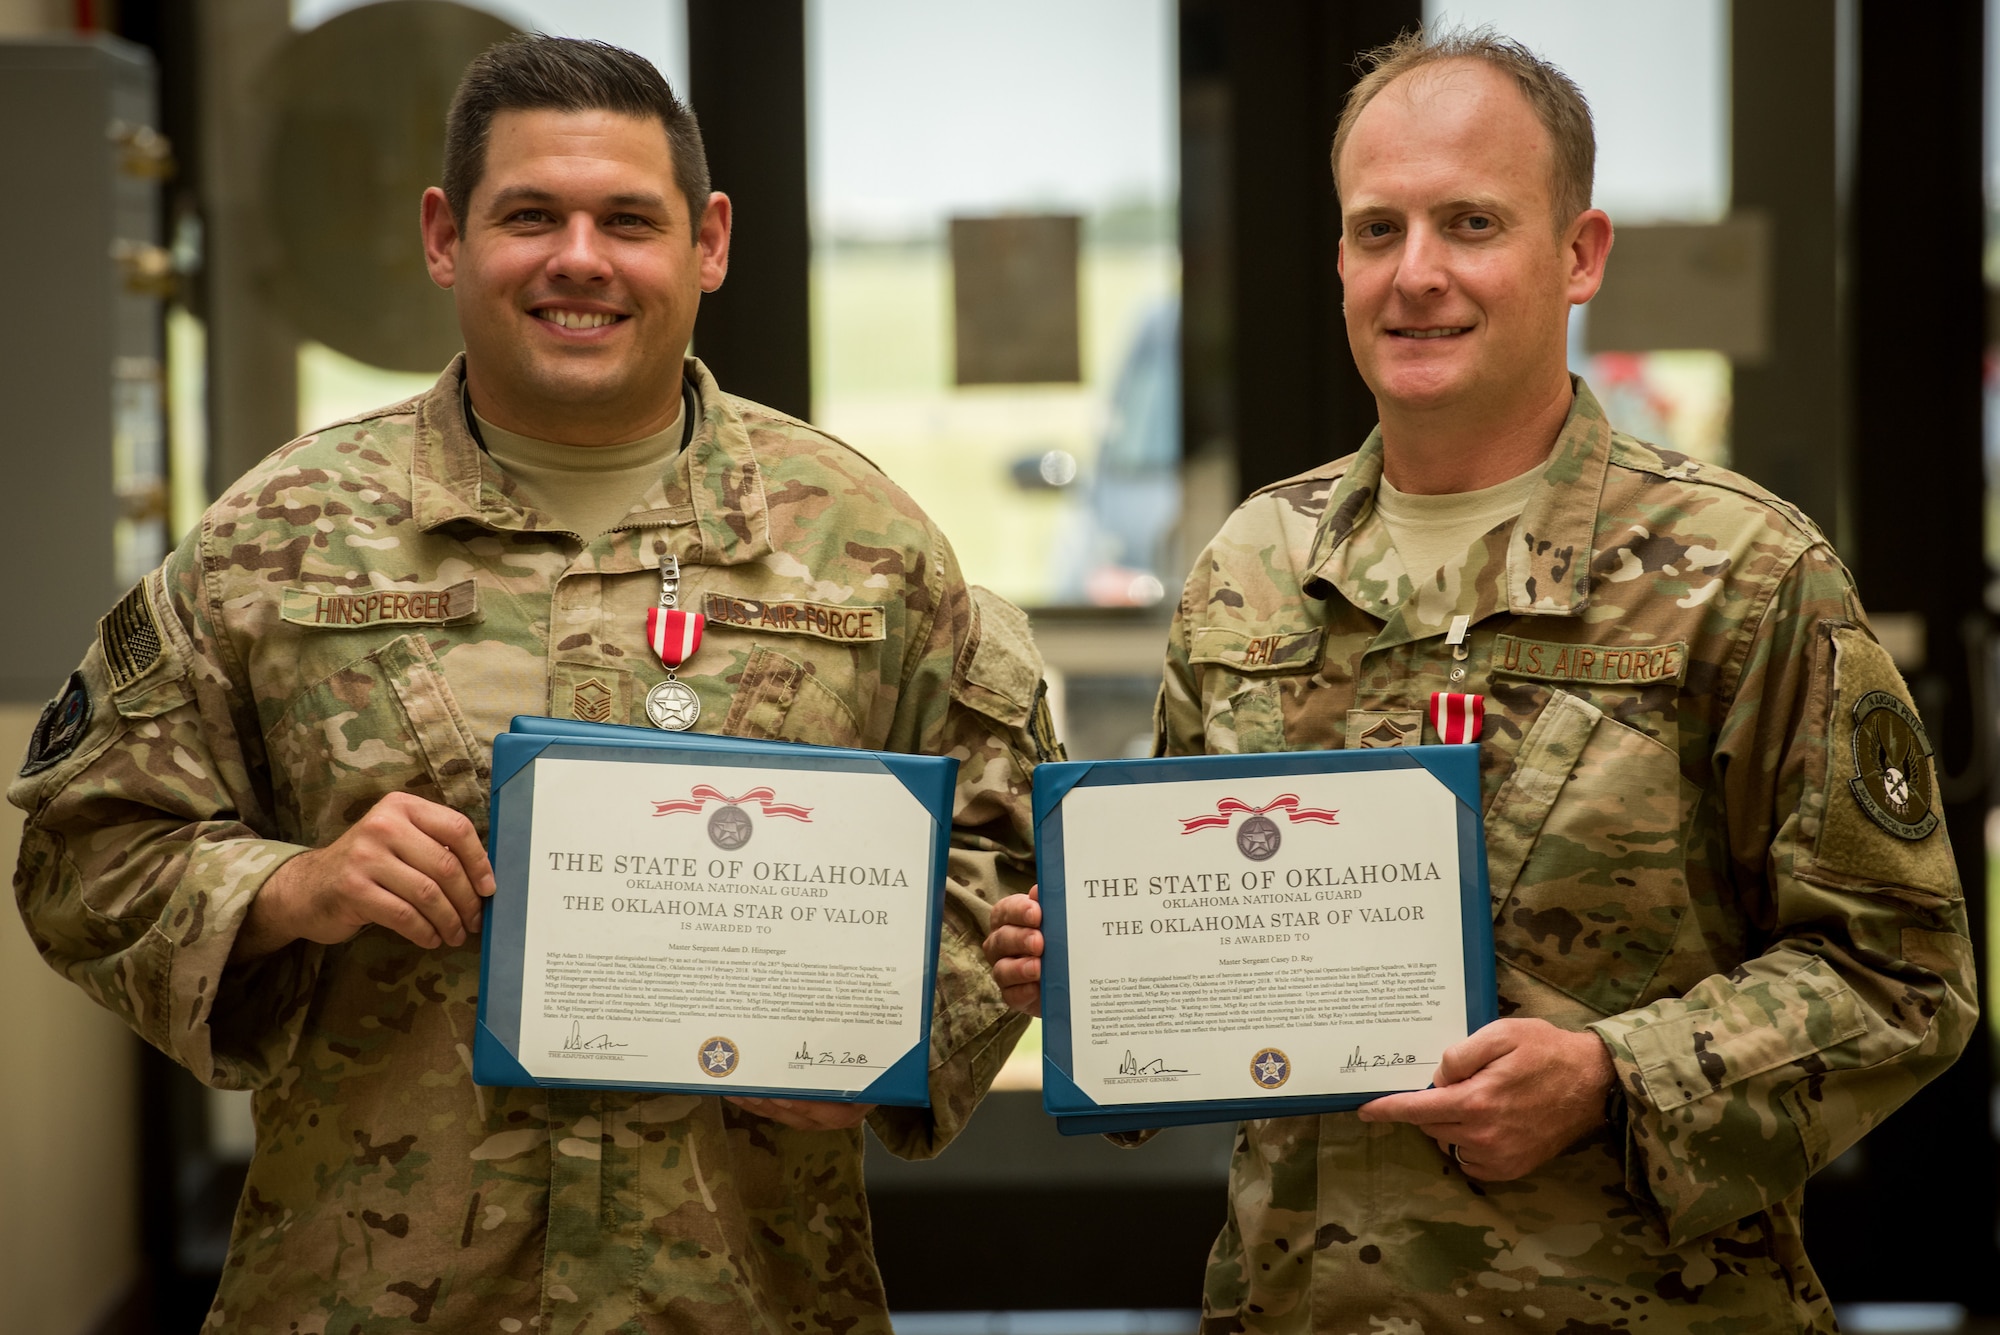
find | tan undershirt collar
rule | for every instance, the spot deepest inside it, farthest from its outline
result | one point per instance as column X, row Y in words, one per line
column 1429, row 531
column 584, row 488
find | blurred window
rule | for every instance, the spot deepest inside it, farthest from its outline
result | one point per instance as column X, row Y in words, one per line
column 1657, row 79
column 919, row 114
column 656, row 29
column 333, row 386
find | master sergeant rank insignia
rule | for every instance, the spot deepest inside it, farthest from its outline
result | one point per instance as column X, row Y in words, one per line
column 590, row 701
column 1384, row 727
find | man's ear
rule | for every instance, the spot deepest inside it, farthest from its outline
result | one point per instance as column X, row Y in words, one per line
column 712, row 239
column 1587, row 248
column 440, row 238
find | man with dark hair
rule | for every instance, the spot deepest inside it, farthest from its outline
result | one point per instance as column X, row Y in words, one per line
column 255, row 810
column 1729, row 932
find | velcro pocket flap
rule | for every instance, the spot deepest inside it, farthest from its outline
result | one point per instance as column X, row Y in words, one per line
column 1290, row 651
column 1542, row 766
column 1002, row 673
column 1760, row 1027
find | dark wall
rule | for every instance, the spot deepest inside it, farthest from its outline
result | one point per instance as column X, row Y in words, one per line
column 747, row 81
column 1265, row 357
column 1917, row 322
column 1787, row 420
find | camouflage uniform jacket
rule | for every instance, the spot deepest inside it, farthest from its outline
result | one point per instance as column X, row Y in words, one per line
column 1674, row 663
column 234, row 722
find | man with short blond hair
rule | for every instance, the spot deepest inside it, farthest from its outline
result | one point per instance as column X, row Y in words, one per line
column 1728, row 926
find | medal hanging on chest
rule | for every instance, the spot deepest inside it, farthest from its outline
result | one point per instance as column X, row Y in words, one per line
column 675, row 636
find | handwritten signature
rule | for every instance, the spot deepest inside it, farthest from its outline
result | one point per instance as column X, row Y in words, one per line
column 576, row 1042
column 1358, row 1062
column 805, row 1055
column 1157, row 1066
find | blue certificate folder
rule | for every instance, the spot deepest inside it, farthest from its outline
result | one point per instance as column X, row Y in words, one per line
column 1456, row 768
column 496, row 1052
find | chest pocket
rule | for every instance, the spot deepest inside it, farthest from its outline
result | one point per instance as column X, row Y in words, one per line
column 779, row 699
column 1586, row 855
column 1243, row 705
column 384, row 723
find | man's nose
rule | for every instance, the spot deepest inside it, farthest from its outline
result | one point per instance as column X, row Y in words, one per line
column 581, row 257
column 1421, row 270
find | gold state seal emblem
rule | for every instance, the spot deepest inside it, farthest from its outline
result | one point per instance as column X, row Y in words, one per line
column 718, row 1057
column 1270, row 1068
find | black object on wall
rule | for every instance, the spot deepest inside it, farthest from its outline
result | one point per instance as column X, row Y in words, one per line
column 1262, row 87
column 747, row 83
column 1917, row 321
column 1786, row 413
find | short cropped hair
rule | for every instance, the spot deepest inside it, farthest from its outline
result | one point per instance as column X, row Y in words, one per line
column 533, row 72
column 1558, row 103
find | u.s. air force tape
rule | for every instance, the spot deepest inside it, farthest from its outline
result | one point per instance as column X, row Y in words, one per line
column 790, row 616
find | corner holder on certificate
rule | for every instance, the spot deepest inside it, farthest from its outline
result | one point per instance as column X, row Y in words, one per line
column 1231, row 937
column 711, row 915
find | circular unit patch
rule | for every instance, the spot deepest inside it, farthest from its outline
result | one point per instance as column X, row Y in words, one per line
column 62, row 725
column 1270, row 1068
column 1892, row 772
column 718, row 1057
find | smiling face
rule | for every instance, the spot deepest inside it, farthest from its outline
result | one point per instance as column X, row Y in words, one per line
column 1458, row 280
column 576, row 275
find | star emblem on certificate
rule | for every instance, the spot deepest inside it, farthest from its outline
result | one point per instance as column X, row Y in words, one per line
column 718, row 1057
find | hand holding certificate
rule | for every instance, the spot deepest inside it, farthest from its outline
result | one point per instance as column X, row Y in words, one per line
column 1232, row 936
column 709, row 914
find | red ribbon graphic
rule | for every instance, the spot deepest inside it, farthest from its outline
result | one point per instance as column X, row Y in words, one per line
column 702, row 794
column 1230, row 807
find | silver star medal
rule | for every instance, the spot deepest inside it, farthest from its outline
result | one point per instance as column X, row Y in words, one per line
column 675, row 636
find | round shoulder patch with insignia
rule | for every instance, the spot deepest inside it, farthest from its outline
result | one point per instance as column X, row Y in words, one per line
column 1892, row 772
column 63, row 722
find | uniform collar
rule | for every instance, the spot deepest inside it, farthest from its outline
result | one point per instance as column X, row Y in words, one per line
column 714, row 483
column 1545, row 570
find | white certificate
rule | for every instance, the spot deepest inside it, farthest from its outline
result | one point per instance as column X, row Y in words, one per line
column 1253, row 937
column 727, row 927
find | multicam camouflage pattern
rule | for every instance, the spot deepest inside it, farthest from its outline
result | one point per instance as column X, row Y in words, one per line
column 387, row 1189
column 1677, row 863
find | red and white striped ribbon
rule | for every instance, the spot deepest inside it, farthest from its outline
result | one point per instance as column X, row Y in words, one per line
column 1457, row 717
column 702, row 794
column 674, row 634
